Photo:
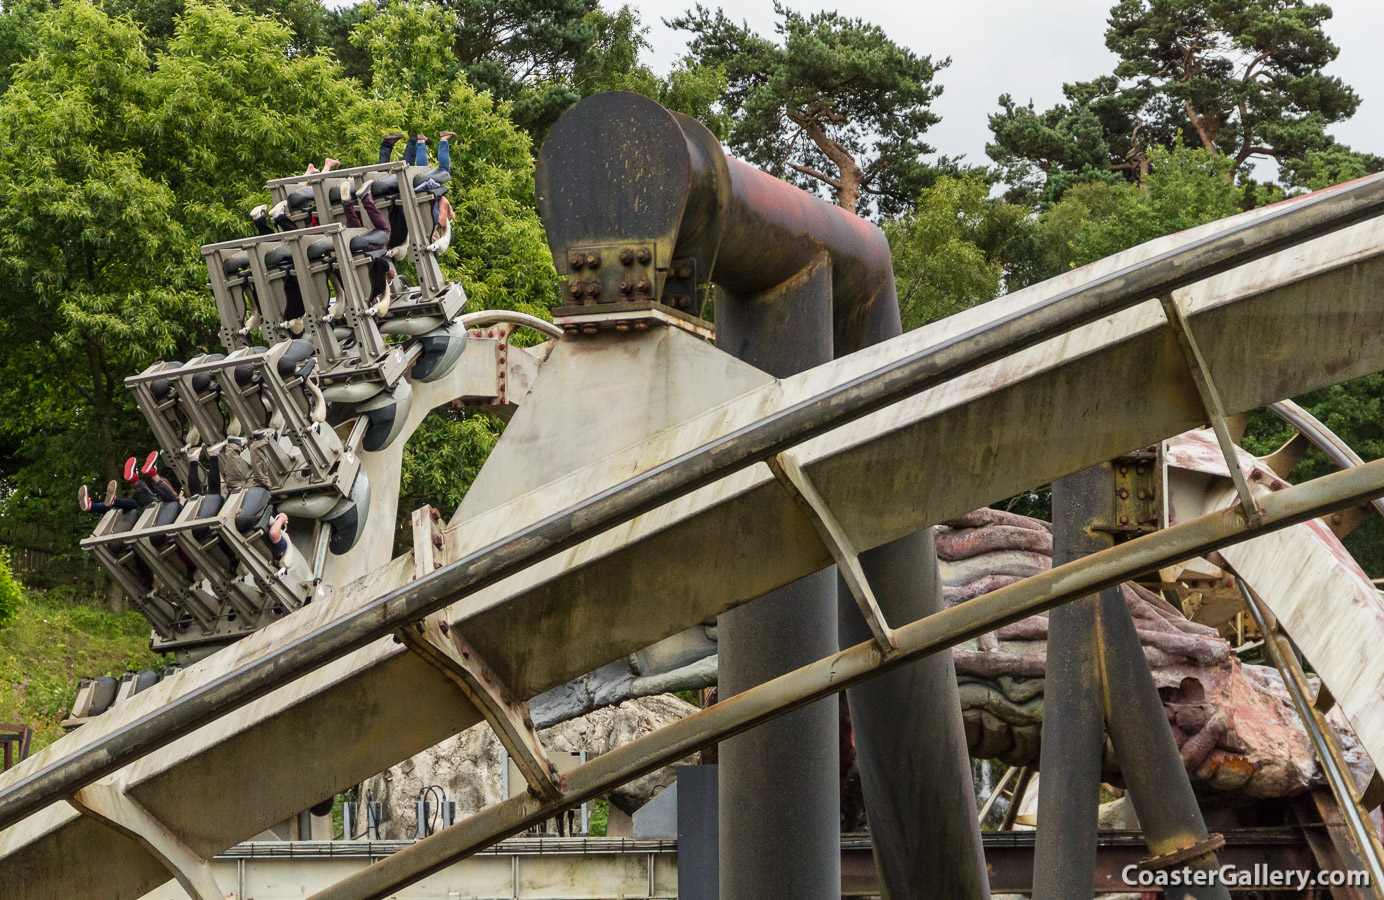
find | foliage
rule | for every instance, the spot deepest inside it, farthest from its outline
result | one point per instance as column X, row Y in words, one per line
column 339, row 23
column 835, row 105
column 158, row 19
column 442, row 459
column 614, row 65
column 522, row 52
column 960, row 246
column 53, row 642
column 535, row 67
column 1184, row 188
column 11, row 591
column 118, row 164
column 1242, row 78
column 953, row 250
column 600, row 817
column 1042, row 155
column 1355, row 412
column 19, row 26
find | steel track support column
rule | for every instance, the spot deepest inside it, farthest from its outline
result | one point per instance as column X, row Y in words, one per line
column 779, row 784
column 1064, row 858
column 1099, row 649
column 910, row 741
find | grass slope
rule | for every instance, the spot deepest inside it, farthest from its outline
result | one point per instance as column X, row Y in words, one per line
column 54, row 641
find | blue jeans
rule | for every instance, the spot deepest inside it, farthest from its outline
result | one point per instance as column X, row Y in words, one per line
column 431, row 185
column 420, row 155
column 121, row 503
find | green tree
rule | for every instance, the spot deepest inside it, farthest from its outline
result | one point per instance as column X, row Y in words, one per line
column 957, row 248
column 615, row 64
column 20, row 21
column 522, row 52
column 158, row 19
column 1185, row 187
column 115, row 165
column 1242, row 79
column 835, row 106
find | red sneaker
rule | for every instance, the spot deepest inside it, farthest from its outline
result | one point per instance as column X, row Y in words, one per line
column 150, row 467
column 131, row 472
column 83, row 499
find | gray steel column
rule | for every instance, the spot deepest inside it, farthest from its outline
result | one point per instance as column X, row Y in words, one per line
column 1149, row 759
column 911, row 743
column 698, row 871
column 1098, row 646
column 780, row 783
column 910, row 740
column 1064, row 860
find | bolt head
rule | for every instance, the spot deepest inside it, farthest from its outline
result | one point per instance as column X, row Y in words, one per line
column 684, row 271
column 645, row 254
column 626, row 256
column 577, row 261
column 593, row 260
column 593, row 290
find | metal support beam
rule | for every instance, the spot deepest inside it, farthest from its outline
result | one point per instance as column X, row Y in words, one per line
column 859, row 663
column 1073, row 733
column 445, row 650
column 116, row 810
column 799, row 487
column 1333, row 762
column 1102, row 660
column 779, row 788
column 1210, row 398
column 1016, row 799
column 436, row 641
column 998, row 792
column 847, row 400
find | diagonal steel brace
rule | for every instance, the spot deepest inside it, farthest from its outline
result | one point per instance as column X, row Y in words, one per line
column 446, row 650
column 117, row 810
column 794, row 480
column 1210, row 401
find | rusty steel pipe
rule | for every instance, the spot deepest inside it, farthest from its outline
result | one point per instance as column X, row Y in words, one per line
column 940, row 631
column 799, row 281
column 618, row 167
column 1291, row 223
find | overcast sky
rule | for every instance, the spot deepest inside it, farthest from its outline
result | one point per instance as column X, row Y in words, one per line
column 1029, row 49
